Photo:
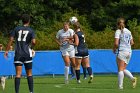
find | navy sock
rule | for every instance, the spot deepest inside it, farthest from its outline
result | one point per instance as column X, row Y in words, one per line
column 77, row 74
column 84, row 71
column 71, row 69
column 30, row 83
column 17, row 84
column 89, row 69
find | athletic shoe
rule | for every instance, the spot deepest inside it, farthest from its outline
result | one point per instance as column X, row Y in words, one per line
column 78, row 81
column 91, row 79
column 66, row 81
column 134, row 82
column 120, row 88
column 72, row 77
column 85, row 77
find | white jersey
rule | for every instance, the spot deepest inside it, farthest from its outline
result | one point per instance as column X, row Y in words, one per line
column 61, row 34
column 124, row 40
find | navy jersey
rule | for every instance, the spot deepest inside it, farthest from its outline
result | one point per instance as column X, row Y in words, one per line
column 23, row 36
column 82, row 50
column 81, row 37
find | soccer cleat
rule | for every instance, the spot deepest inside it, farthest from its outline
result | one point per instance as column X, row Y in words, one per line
column 85, row 77
column 134, row 82
column 91, row 79
column 121, row 88
column 78, row 81
column 3, row 82
column 66, row 81
column 72, row 77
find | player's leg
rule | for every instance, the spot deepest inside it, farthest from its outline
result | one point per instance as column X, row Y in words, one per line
column 28, row 68
column 129, row 75
column 86, row 64
column 77, row 68
column 66, row 59
column 18, row 68
column 72, row 59
column 121, row 65
column 72, row 72
column 84, row 70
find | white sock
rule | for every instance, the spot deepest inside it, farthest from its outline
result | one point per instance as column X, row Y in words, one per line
column 66, row 72
column 120, row 78
column 128, row 74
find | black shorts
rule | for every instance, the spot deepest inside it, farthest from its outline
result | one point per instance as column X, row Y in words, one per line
column 27, row 61
column 82, row 53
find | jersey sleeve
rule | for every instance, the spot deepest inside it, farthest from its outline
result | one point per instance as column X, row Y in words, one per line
column 117, row 34
column 12, row 34
column 58, row 34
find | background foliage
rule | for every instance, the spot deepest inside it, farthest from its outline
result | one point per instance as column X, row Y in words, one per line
column 97, row 17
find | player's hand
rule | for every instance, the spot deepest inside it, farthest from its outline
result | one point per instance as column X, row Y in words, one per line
column 33, row 53
column 6, row 54
column 114, row 51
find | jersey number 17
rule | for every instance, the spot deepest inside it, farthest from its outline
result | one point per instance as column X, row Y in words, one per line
column 22, row 32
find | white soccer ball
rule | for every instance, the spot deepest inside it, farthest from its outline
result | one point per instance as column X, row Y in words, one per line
column 73, row 20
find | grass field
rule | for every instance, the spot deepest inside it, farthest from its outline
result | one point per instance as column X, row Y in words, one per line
column 101, row 84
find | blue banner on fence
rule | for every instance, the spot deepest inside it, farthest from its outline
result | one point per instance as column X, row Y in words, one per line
column 51, row 62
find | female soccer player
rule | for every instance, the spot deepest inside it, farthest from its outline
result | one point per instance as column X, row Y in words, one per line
column 64, row 37
column 24, row 37
column 82, row 54
column 122, row 46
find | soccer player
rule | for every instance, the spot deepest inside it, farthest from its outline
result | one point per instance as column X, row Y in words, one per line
column 64, row 37
column 81, row 54
column 122, row 47
column 25, row 40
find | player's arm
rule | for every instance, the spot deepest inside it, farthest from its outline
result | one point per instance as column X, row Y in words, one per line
column 131, row 42
column 116, row 44
column 33, row 43
column 8, row 46
column 32, row 46
column 76, row 40
column 58, row 42
column 57, row 38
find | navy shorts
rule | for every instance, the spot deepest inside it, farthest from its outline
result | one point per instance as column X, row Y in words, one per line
column 27, row 61
column 82, row 53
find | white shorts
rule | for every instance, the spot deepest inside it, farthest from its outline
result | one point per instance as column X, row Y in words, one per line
column 125, row 56
column 71, row 54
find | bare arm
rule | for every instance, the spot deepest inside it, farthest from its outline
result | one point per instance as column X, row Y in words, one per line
column 8, row 46
column 33, row 43
column 116, row 43
column 131, row 42
column 58, row 42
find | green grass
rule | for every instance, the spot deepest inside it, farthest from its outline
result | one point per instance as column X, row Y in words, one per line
column 101, row 84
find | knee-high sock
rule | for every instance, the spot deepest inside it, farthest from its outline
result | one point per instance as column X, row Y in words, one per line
column 30, row 83
column 128, row 74
column 89, row 69
column 84, row 71
column 77, row 74
column 66, row 72
column 71, row 69
column 120, row 78
column 17, row 84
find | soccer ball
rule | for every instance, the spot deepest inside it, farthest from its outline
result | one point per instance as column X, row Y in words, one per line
column 73, row 20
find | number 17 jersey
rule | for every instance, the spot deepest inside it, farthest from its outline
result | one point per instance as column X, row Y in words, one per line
column 23, row 36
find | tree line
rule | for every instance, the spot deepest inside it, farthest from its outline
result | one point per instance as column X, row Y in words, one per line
column 97, row 17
